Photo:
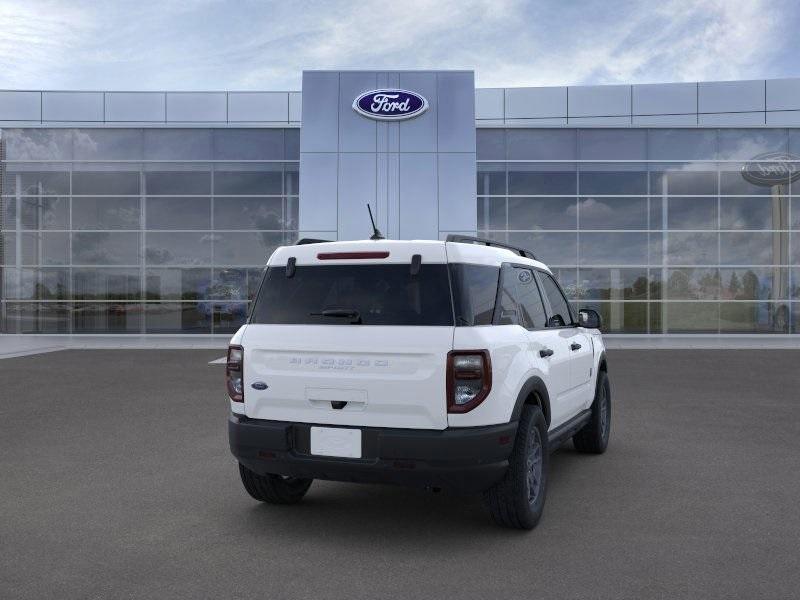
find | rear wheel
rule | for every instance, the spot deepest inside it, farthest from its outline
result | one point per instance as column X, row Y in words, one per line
column 593, row 438
column 274, row 489
column 518, row 499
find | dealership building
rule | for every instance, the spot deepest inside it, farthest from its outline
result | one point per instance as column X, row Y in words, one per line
column 668, row 208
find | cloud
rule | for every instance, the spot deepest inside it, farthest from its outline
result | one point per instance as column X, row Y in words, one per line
column 212, row 44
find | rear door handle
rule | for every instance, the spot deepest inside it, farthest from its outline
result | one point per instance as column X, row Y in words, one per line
column 545, row 353
column 574, row 346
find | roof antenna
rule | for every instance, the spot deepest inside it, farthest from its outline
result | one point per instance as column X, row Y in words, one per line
column 376, row 234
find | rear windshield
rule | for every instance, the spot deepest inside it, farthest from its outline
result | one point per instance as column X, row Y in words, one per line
column 355, row 294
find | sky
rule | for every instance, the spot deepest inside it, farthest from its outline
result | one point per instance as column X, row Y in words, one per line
column 265, row 45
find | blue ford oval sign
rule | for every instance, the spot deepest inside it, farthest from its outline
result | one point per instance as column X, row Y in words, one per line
column 390, row 105
column 772, row 168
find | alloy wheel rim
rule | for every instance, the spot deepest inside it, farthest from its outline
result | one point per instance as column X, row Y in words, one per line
column 534, row 467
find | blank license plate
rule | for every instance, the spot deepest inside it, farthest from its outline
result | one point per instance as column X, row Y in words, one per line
column 335, row 441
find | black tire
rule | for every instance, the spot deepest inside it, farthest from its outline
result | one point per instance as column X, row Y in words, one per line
column 274, row 489
column 593, row 438
column 517, row 501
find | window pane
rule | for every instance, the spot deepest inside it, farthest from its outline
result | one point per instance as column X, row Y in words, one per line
column 690, row 317
column 99, row 317
column 754, row 213
column 612, row 182
column 248, row 182
column 491, row 179
column 230, row 316
column 537, row 180
column 44, row 212
column 558, row 304
column 542, row 213
column 553, row 249
column 746, row 144
column 732, row 182
column 229, row 284
column 178, row 183
column 757, row 248
column 106, row 284
column 53, row 284
column 50, row 248
column 245, row 248
column 612, row 284
column 178, row 248
column 178, row 144
column 610, row 144
column 684, row 183
column 105, row 213
column 46, row 183
column 492, row 213
column 112, row 183
column 682, row 144
column 177, row 284
column 541, row 144
column 692, row 249
column 291, row 178
column 38, row 144
column 491, row 144
column 567, row 278
column 105, row 248
column 755, row 283
column 178, row 213
column 474, row 291
column 178, row 317
column 291, row 143
column 248, row 213
column 31, row 317
column 248, row 144
column 620, row 317
column 754, row 317
column 8, row 248
column 691, row 213
column 612, row 213
column 108, row 144
column 532, row 313
column 693, row 284
column 613, row 249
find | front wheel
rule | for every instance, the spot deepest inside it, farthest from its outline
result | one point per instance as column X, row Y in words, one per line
column 517, row 501
column 274, row 489
column 593, row 438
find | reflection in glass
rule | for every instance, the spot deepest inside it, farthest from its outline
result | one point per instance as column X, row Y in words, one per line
column 245, row 248
column 177, row 284
column 248, row 144
column 754, row 283
column 529, row 180
column 612, row 213
column 763, row 212
column 692, row 248
column 620, row 317
column 178, row 144
column 541, row 144
column 229, row 316
column 683, row 182
column 491, row 179
column 44, row 212
column 613, row 249
column 38, row 144
column 248, row 213
column 682, row 144
column 754, row 248
column 613, row 284
column 612, row 144
column 102, row 248
column 610, row 183
column 691, row 213
column 178, row 248
column 745, row 144
column 261, row 182
column 101, row 317
column 492, row 213
column 46, row 248
column 178, row 317
column 754, row 317
column 110, row 183
column 105, row 284
column 693, row 284
column 178, row 183
column 89, row 212
column 178, row 213
column 491, row 144
column 554, row 249
column 44, row 183
column 690, row 317
column 33, row 317
column 540, row 213
column 8, row 248
column 108, row 144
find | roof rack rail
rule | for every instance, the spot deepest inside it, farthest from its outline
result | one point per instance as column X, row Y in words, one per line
column 467, row 239
column 304, row 241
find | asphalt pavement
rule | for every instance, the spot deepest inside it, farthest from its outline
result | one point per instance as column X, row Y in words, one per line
column 116, row 482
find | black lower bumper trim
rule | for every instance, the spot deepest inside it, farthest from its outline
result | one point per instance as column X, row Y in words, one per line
column 465, row 459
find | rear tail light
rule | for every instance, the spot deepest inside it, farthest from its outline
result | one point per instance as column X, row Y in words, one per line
column 234, row 373
column 469, row 379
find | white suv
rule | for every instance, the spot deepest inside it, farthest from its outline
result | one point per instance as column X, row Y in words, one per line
column 453, row 364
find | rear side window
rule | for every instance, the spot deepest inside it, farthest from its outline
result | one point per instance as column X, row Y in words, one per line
column 474, row 293
column 520, row 300
column 558, row 304
column 366, row 294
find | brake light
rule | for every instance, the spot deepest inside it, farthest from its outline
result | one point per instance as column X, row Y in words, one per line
column 234, row 373
column 469, row 379
column 351, row 255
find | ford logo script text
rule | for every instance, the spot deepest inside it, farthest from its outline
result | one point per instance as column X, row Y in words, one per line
column 390, row 105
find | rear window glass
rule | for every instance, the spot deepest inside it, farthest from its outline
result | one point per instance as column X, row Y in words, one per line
column 350, row 294
column 474, row 292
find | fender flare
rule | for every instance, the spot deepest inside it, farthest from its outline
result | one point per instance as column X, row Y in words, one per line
column 602, row 361
column 534, row 384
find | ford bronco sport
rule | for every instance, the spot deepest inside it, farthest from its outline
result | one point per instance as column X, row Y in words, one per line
column 453, row 364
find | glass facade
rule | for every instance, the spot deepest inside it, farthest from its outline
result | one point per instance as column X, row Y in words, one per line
column 656, row 229
column 141, row 230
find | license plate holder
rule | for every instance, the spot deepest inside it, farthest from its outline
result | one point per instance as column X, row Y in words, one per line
column 339, row 442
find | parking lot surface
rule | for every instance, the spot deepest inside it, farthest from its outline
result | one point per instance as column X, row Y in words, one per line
column 116, row 482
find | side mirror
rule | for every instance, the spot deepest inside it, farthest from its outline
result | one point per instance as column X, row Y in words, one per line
column 589, row 318
column 556, row 321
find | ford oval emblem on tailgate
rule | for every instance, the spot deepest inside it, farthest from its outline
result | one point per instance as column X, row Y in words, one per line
column 259, row 385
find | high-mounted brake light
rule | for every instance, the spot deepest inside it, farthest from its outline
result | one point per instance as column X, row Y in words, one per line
column 469, row 379
column 234, row 373
column 351, row 255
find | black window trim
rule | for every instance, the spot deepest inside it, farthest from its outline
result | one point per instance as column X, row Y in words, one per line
column 514, row 265
column 548, row 307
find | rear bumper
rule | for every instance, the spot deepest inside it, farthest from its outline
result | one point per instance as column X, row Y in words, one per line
column 464, row 460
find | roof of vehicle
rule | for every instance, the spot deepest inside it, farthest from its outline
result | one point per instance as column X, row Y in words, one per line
column 398, row 251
